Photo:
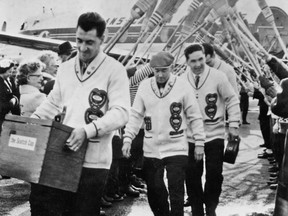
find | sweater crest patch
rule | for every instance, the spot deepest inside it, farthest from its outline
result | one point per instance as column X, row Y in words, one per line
column 97, row 98
column 148, row 123
column 211, row 108
column 175, row 119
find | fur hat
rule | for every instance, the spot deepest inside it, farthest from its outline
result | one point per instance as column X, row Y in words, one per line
column 65, row 48
column 161, row 59
column 5, row 64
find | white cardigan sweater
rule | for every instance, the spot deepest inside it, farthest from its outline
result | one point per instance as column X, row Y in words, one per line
column 102, row 94
column 166, row 116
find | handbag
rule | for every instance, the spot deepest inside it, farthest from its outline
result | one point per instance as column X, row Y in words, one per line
column 231, row 150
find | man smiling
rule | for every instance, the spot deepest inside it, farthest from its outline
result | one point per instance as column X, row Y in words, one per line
column 94, row 88
column 214, row 93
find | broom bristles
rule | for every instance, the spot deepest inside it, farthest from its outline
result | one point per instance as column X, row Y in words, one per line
column 266, row 11
column 140, row 8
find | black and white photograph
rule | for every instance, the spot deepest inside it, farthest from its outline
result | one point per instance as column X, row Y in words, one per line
column 143, row 108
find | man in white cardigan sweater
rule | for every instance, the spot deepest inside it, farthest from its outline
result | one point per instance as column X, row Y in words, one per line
column 213, row 93
column 94, row 87
column 168, row 106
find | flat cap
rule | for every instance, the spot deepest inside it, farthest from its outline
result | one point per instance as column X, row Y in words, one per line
column 161, row 59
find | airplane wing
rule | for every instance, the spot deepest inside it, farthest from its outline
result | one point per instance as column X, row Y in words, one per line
column 30, row 42
column 17, row 42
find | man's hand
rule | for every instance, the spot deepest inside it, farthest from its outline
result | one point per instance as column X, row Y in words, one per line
column 198, row 153
column 13, row 102
column 271, row 91
column 76, row 139
column 126, row 149
column 266, row 56
column 233, row 133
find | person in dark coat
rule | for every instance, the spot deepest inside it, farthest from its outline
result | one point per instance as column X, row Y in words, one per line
column 8, row 101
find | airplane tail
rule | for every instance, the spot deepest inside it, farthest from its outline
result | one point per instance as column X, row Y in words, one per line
column 4, row 26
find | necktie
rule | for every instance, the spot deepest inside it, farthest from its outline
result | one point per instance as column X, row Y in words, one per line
column 197, row 77
column 84, row 67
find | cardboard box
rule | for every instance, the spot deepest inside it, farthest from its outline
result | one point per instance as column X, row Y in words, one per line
column 34, row 150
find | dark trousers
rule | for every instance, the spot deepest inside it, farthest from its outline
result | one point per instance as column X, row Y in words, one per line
column 244, row 105
column 265, row 127
column 213, row 184
column 156, row 190
column 47, row 201
column 112, row 184
column 278, row 151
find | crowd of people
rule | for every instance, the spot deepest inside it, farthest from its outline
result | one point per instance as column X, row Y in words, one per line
column 144, row 122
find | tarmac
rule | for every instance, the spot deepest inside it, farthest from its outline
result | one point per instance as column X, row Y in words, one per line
column 245, row 191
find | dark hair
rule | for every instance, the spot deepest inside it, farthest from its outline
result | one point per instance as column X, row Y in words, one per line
column 193, row 48
column 208, row 49
column 92, row 20
column 27, row 68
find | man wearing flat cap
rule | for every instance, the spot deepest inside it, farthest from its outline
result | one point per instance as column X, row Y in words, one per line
column 168, row 107
column 8, row 101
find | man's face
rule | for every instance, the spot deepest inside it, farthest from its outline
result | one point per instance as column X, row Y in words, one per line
column 63, row 57
column 196, row 61
column 88, row 44
column 210, row 60
column 162, row 74
column 14, row 71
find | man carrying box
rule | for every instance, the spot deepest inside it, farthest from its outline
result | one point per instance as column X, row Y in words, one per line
column 95, row 91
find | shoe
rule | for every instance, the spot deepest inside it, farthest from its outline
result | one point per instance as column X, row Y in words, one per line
column 141, row 190
column 264, row 155
column 117, row 198
column 245, row 122
column 131, row 192
column 272, row 162
column 273, row 169
column 273, row 186
column 105, row 204
column 102, row 212
column 273, row 178
column 108, row 198
column 187, row 203
column 263, row 145
column 272, row 182
column 136, row 182
column 273, row 174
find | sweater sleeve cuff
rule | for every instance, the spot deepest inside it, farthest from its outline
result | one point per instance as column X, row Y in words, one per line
column 91, row 130
column 127, row 140
column 199, row 143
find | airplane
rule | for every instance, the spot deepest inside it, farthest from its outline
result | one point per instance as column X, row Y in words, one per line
column 51, row 29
